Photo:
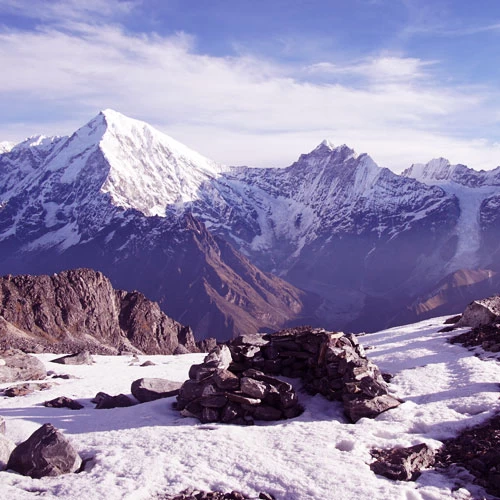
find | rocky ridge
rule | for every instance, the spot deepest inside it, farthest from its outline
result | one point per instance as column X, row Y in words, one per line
column 79, row 309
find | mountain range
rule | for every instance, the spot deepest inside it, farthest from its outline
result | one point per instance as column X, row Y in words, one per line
column 332, row 239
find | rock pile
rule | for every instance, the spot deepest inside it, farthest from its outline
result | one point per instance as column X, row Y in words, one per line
column 478, row 450
column 235, row 383
column 213, row 495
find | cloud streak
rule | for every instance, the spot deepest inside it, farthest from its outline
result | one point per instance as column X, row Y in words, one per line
column 241, row 109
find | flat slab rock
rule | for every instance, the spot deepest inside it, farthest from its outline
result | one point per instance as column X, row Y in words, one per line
column 79, row 358
column 25, row 389
column 47, row 452
column 402, row 464
column 150, row 389
column 17, row 366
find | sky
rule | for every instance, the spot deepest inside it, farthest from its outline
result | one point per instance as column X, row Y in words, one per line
column 254, row 82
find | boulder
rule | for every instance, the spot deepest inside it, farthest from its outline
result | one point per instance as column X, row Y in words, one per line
column 47, row 452
column 180, row 349
column 16, row 366
column 148, row 363
column 402, row 464
column 149, row 389
column 480, row 313
column 79, row 358
column 6, row 448
column 63, row 402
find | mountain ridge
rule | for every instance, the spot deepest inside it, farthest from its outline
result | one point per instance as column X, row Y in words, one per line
column 333, row 223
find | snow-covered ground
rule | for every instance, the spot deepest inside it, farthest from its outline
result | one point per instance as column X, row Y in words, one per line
column 139, row 451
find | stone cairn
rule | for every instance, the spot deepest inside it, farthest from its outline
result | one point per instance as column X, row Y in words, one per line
column 236, row 383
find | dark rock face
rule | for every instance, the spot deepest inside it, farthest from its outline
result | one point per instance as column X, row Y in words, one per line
column 47, row 452
column 63, row 402
column 402, row 464
column 234, row 384
column 150, row 389
column 80, row 358
column 478, row 450
column 15, row 365
column 79, row 310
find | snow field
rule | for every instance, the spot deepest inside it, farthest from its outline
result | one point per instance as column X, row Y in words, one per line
column 137, row 452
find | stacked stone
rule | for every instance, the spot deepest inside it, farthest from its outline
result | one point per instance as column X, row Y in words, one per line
column 234, row 383
column 215, row 393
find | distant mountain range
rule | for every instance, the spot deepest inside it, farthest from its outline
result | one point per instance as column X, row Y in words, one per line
column 332, row 240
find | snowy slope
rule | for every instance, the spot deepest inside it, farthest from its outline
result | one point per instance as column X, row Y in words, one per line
column 472, row 189
column 147, row 449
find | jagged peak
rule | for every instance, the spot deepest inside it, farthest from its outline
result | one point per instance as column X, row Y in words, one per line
column 438, row 169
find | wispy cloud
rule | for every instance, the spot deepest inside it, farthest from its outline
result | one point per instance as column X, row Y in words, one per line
column 60, row 11
column 238, row 109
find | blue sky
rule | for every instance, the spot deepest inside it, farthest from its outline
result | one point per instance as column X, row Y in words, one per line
column 259, row 82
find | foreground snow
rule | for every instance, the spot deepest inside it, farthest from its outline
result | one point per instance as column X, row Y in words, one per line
column 139, row 451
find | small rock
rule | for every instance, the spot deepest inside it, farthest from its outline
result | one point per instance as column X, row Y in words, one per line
column 106, row 402
column 402, row 464
column 150, row 389
column 25, row 389
column 63, row 402
column 253, row 388
column 226, row 380
column 80, row 358
column 2, row 425
column 370, row 408
column 47, row 452
column 148, row 363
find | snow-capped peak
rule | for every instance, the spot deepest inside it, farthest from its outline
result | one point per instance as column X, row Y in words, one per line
column 438, row 169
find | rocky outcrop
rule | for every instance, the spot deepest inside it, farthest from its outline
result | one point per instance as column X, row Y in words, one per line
column 79, row 310
column 16, row 365
column 47, row 452
column 237, row 384
column 478, row 450
column 402, row 464
column 150, row 389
